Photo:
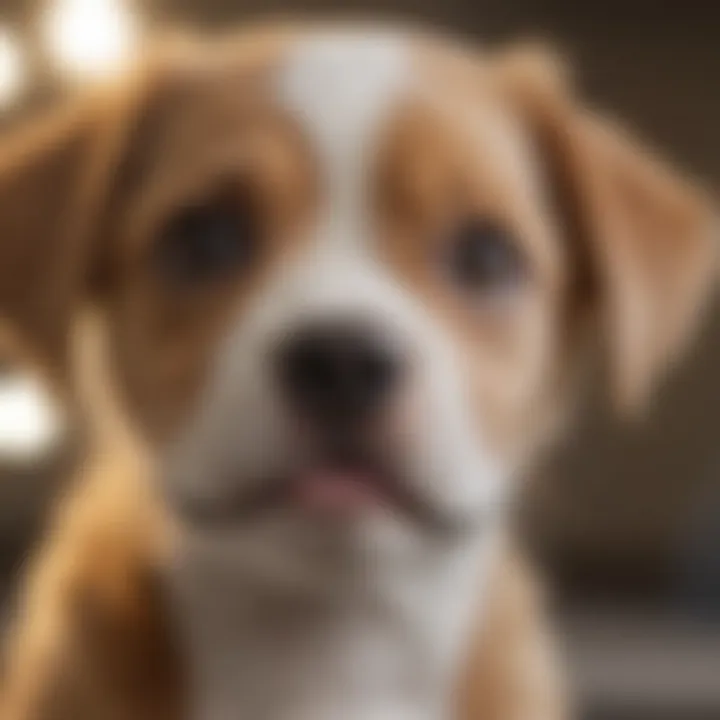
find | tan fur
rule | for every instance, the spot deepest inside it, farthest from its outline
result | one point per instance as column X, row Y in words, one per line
column 81, row 200
column 648, row 233
column 427, row 180
column 514, row 670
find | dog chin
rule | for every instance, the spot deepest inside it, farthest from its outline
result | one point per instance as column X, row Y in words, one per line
column 294, row 551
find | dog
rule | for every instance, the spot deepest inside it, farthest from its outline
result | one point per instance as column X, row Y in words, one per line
column 324, row 294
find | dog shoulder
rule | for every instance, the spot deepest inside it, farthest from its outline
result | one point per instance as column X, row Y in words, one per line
column 513, row 672
column 91, row 639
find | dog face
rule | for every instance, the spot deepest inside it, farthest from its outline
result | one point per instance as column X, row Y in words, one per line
column 344, row 275
column 369, row 284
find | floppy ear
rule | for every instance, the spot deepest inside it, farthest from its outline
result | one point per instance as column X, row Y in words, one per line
column 45, row 195
column 647, row 235
column 57, row 179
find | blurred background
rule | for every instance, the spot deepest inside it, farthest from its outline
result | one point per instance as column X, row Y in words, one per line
column 625, row 518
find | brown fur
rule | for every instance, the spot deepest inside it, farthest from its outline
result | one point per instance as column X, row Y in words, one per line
column 81, row 199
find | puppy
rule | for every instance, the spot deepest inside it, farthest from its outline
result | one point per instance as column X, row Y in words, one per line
column 325, row 293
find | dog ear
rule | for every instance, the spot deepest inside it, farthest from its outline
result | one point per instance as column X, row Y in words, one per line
column 53, row 176
column 41, row 172
column 645, row 235
column 59, row 180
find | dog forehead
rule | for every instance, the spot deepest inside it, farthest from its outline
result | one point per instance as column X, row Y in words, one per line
column 340, row 86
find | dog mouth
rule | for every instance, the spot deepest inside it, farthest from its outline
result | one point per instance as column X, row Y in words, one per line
column 338, row 490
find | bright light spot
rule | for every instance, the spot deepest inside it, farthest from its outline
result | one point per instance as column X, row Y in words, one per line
column 29, row 420
column 90, row 38
column 12, row 68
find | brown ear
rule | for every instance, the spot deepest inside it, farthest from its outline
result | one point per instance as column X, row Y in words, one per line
column 57, row 177
column 44, row 195
column 649, row 235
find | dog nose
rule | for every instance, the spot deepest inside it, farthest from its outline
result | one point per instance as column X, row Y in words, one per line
column 338, row 373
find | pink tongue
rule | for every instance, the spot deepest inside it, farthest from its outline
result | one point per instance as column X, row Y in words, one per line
column 336, row 491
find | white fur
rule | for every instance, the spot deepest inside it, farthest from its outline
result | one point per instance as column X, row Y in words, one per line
column 282, row 621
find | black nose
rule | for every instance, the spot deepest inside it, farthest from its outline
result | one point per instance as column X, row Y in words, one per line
column 338, row 373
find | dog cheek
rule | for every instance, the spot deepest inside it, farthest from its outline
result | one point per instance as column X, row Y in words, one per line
column 237, row 434
column 456, row 462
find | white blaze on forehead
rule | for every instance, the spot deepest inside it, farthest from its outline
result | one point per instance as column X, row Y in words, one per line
column 341, row 87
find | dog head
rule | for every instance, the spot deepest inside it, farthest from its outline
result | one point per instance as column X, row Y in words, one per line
column 347, row 276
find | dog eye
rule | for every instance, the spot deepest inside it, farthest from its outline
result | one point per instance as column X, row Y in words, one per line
column 207, row 242
column 484, row 256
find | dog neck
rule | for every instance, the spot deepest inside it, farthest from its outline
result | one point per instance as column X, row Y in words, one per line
column 381, row 644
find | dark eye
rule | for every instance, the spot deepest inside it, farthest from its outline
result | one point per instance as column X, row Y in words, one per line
column 484, row 256
column 207, row 242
